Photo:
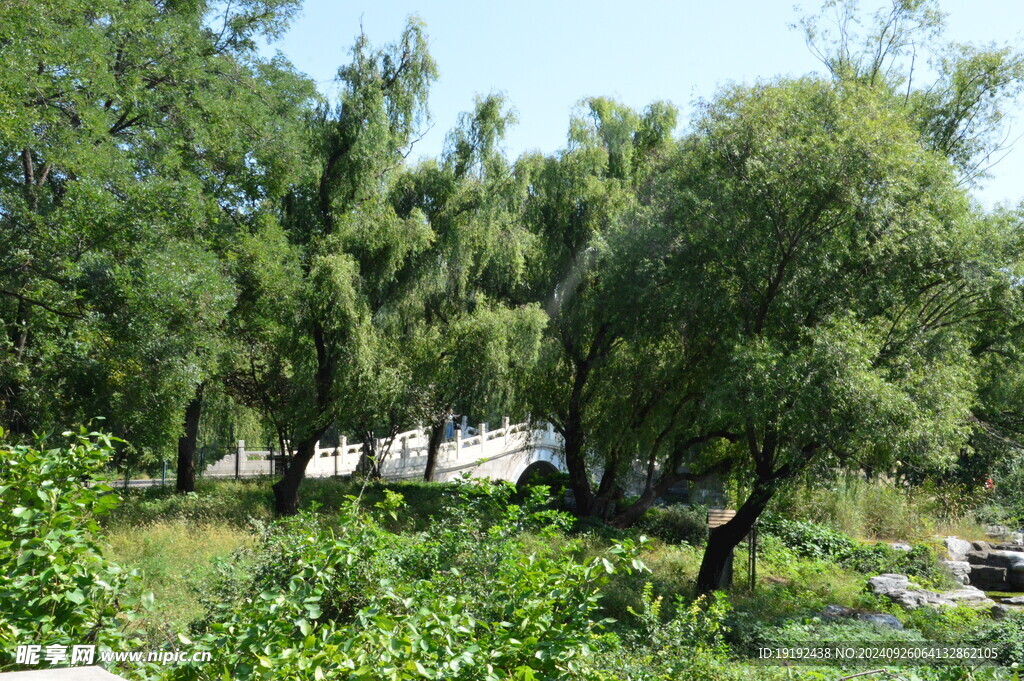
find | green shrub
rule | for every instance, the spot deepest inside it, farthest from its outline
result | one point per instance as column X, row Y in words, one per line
column 676, row 523
column 806, row 538
column 461, row 600
column 949, row 625
column 688, row 645
column 56, row 587
column 229, row 502
column 920, row 562
column 816, row 541
column 1003, row 504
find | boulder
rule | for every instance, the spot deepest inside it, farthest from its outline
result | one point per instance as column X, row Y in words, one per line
column 900, row 546
column 897, row 588
column 834, row 612
column 1009, row 547
column 957, row 548
column 917, row 598
column 887, row 583
column 981, row 545
column 997, row 531
column 881, row 619
column 999, row 612
column 960, row 569
column 978, row 557
column 968, row 595
column 1013, row 600
column 1015, row 577
column 1005, row 559
column 989, row 577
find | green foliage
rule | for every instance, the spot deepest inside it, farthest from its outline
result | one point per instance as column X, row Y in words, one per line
column 808, row 539
column 951, row 625
column 881, row 509
column 171, row 557
column 122, row 179
column 1003, row 504
column 701, row 624
column 921, row 561
column 676, row 523
column 690, row 644
column 1008, row 636
column 470, row 547
column 228, row 502
column 461, row 600
column 824, row 543
column 56, row 586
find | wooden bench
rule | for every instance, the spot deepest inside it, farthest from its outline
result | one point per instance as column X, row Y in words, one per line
column 720, row 516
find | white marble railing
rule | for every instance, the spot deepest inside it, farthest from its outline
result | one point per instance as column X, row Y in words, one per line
column 405, row 455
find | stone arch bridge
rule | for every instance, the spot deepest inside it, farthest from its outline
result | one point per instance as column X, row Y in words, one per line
column 513, row 452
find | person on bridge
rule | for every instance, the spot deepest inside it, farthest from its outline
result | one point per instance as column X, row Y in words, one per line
column 449, row 426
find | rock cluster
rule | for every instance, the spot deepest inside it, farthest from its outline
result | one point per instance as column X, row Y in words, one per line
column 998, row 567
column 881, row 619
column 897, row 588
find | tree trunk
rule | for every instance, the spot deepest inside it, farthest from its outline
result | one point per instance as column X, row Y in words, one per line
column 369, row 464
column 715, row 568
column 577, row 467
column 286, row 490
column 186, row 481
column 604, row 501
column 433, row 447
column 636, row 510
column 11, row 394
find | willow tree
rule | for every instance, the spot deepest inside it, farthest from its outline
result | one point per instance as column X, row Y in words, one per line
column 309, row 353
column 578, row 200
column 469, row 341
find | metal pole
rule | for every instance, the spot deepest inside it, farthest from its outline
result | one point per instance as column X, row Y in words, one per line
column 752, row 567
column 163, row 474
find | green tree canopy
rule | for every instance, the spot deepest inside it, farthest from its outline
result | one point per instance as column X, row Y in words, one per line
column 137, row 137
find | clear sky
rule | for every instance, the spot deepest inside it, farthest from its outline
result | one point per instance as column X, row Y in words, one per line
column 546, row 56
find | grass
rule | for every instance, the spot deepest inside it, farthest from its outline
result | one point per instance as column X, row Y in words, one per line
column 880, row 510
column 174, row 540
column 171, row 556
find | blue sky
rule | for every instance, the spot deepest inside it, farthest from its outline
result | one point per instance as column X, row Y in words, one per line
column 546, row 56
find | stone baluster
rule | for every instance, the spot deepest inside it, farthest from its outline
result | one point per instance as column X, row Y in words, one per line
column 239, row 456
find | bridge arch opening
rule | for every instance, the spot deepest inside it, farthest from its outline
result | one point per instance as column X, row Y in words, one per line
column 538, row 473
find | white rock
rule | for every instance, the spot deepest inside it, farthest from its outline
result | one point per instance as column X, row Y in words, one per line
column 957, row 548
column 896, row 588
column 967, row 594
column 887, row 583
column 960, row 569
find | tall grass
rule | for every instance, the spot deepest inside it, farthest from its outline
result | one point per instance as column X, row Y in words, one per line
column 173, row 556
column 880, row 509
